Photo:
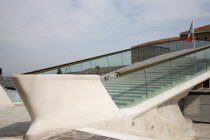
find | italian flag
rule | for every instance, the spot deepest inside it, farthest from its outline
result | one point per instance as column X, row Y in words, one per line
column 190, row 34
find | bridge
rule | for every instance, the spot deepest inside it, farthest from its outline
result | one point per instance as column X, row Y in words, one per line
column 112, row 93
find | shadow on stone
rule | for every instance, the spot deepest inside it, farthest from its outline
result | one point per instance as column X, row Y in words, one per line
column 17, row 129
column 79, row 135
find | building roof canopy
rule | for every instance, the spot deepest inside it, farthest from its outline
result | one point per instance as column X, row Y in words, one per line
column 201, row 29
column 205, row 28
column 159, row 41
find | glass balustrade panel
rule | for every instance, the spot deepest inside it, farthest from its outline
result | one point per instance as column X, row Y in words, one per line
column 199, row 63
column 76, row 69
column 55, row 71
column 87, row 68
column 158, row 79
column 181, row 70
column 64, row 70
column 128, row 90
column 126, row 58
column 100, row 66
column 115, row 62
column 207, row 54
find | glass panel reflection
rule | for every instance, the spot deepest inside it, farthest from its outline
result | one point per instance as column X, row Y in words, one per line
column 100, row 66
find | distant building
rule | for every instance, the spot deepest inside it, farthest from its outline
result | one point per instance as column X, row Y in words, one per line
column 201, row 33
column 153, row 48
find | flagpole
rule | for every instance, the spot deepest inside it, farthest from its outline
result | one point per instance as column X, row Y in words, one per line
column 193, row 36
column 194, row 46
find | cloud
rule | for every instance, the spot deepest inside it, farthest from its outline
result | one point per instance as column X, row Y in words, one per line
column 53, row 32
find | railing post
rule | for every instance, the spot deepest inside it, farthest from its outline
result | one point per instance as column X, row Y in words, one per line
column 81, row 66
column 206, row 60
column 107, row 61
column 171, row 75
column 145, row 77
column 70, row 69
column 195, row 62
column 91, row 66
column 121, row 58
column 190, row 69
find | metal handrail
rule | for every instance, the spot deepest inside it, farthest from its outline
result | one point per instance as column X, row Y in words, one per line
column 85, row 60
column 123, row 72
column 73, row 63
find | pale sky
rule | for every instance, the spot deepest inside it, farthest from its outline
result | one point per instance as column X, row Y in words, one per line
column 36, row 34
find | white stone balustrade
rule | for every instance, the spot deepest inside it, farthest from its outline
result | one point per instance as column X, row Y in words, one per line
column 61, row 103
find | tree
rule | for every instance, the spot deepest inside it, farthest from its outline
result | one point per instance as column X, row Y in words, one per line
column 0, row 71
column 59, row 71
column 97, row 69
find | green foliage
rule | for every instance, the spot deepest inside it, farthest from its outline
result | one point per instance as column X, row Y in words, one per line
column 0, row 71
column 59, row 71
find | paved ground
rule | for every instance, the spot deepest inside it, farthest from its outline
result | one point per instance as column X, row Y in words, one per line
column 202, row 131
column 79, row 135
column 15, row 121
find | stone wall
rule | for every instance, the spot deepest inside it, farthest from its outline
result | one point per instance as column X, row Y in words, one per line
column 197, row 107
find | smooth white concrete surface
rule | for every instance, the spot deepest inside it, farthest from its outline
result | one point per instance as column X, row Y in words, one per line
column 59, row 103
column 10, row 138
column 163, row 122
column 4, row 99
column 115, row 135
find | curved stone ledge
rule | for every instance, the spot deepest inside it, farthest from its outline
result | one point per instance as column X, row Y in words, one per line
column 59, row 103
